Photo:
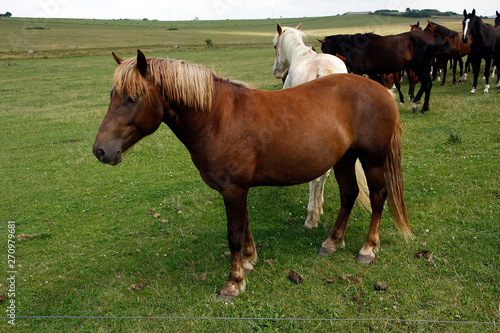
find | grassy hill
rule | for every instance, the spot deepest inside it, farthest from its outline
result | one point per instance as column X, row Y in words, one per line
column 69, row 37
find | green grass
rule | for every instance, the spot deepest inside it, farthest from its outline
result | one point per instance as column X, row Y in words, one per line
column 90, row 220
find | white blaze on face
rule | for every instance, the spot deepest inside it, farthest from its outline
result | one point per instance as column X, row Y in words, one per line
column 466, row 26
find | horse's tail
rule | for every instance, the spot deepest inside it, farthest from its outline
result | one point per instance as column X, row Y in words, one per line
column 394, row 182
column 440, row 45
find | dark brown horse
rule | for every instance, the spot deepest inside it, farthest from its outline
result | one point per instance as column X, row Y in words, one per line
column 240, row 138
column 456, row 50
column 485, row 45
column 373, row 54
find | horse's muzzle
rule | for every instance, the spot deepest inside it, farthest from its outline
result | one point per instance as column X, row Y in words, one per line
column 112, row 158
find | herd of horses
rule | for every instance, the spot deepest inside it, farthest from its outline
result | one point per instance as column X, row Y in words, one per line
column 324, row 118
column 419, row 50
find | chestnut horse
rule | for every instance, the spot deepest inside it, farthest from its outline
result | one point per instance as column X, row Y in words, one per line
column 456, row 51
column 485, row 45
column 303, row 64
column 240, row 137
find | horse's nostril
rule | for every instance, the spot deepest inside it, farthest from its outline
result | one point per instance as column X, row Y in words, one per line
column 99, row 153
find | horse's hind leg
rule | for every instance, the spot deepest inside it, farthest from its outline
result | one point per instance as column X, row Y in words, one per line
column 378, row 194
column 316, row 200
column 346, row 178
column 312, row 207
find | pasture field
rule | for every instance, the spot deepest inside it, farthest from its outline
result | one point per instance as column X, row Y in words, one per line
column 147, row 238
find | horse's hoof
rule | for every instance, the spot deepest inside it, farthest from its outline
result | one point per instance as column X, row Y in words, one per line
column 248, row 268
column 421, row 113
column 308, row 226
column 365, row 259
column 226, row 298
column 324, row 251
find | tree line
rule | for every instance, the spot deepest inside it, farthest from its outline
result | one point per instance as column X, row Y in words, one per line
column 413, row 13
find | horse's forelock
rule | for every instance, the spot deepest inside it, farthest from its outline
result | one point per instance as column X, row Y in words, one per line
column 128, row 80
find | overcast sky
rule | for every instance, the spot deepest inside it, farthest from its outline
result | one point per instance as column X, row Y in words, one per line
column 174, row 10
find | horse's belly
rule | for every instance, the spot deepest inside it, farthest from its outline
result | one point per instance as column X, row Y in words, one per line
column 297, row 164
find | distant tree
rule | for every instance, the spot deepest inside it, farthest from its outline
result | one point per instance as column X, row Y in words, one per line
column 417, row 13
column 7, row 14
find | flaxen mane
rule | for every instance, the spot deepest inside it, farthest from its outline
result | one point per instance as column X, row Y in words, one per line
column 181, row 82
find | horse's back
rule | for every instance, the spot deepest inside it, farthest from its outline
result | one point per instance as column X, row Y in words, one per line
column 313, row 66
column 349, row 100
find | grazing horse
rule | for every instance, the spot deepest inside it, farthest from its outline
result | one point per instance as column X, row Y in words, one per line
column 303, row 64
column 456, row 50
column 485, row 45
column 373, row 54
column 240, row 138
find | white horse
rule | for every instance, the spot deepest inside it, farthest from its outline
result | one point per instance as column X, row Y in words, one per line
column 302, row 64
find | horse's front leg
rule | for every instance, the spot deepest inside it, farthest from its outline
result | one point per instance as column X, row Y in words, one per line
column 241, row 245
column 476, row 66
column 487, row 67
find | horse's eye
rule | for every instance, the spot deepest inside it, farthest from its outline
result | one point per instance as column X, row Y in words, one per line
column 131, row 100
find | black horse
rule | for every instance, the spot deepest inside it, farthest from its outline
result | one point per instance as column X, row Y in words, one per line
column 485, row 45
column 372, row 54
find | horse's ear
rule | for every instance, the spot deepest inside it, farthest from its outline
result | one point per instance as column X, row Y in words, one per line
column 418, row 23
column 142, row 63
column 322, row 41
column 465, row 13
column 498, row 13
column 474, row 12
column 117, row 58
column 298, row 27
column 280, row 30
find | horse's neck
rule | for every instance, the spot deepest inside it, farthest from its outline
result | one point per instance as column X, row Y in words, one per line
column 195, row 128
column 477, row 33
column 296, row 49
